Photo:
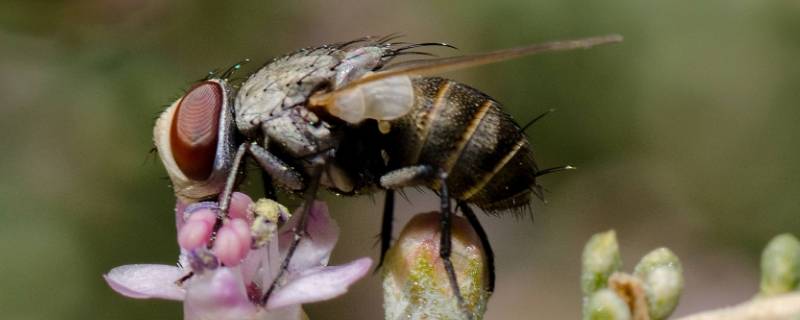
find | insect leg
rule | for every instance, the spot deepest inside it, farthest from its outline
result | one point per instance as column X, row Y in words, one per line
column 386, row 225
column 225, row 196
column 269, row 188
column 278, row 170
column 487, row 247
column 445, row 245
column 299, row 229
column 274, row 167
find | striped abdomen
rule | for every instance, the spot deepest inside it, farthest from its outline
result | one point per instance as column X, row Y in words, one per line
column 466, row 133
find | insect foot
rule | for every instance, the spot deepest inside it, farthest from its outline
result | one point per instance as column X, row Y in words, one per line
column 415, row 282
column 225, row 278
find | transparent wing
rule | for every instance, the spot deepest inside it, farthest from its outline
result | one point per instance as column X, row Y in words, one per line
column 388, row 94
column 440, row 65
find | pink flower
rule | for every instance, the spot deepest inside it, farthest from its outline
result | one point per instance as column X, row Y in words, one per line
column 227, row 280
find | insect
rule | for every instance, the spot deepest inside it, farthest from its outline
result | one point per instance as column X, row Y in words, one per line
column 349, row 118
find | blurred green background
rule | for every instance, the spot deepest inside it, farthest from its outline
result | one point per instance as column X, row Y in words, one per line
column 683, row 136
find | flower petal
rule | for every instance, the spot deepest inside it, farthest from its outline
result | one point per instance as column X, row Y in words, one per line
column 144, row 281
column 317, row 284
column 315, row 249
column 180, row 206
column 219, row 294
column 270, row 263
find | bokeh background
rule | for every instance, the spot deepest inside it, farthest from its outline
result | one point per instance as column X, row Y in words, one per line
column 685, row 135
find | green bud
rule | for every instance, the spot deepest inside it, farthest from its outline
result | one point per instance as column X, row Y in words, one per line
column 662, row 275
column 780, row 265
column 415, row 284
column 600, row 259
column 605, row 304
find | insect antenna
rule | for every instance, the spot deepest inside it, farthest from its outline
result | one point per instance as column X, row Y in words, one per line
column 539, row 117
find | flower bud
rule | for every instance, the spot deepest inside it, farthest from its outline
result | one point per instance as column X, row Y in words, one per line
column 239, row 206
column 662, row 275
column 233, row 242
column 600, row 259
column 415, row 283
column 780, row 265
column 197, row 229
column 605, row 304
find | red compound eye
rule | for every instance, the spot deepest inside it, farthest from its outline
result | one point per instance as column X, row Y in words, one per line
column 193, row 136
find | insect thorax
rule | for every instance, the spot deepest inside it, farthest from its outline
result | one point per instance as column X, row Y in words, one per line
column 272, row 102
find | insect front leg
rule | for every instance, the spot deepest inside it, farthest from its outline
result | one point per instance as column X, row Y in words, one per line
column 269, row 187
column 230, row 183
column 279, row 171
column 276, row 170
column 299, row 229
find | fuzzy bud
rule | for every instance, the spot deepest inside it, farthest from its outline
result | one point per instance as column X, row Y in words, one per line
column 662, row 276
column 780, row 265
column 415, row 283
column 605, row 304
column 600, row 259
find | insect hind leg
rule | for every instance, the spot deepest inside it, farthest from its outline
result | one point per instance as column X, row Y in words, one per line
column 422, row 175
column 487, row 247
column 445, row 246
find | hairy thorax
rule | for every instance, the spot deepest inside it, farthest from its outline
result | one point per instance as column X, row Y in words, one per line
column 272, row 102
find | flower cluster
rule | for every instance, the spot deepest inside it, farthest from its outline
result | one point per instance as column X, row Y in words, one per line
column 223, row 270
column 651, row 292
